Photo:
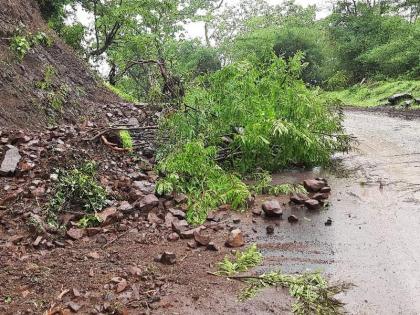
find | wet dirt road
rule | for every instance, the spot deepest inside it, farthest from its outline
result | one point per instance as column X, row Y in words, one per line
column 374, row 241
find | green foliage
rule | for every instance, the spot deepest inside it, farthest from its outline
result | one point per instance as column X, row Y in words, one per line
column 123, row 95
column 126, row 140
column 77, row 188
column 191, row 169
column 49, row 75
column 243, row 261
column 374, row 93
column 20, row 45
column 311, row 291
column 89, row 220
column 263, row 186
column 73, row 35
column 272, row 119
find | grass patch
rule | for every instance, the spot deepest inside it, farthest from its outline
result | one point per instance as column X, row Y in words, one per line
column 77, row 188
column 243, row 261
column 123, row 95
column 374, row 94
column 126, row 139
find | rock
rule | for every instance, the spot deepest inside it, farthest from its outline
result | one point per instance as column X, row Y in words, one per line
column 93, row 255
column 147, row 203
column 73, row 306
column 92, row 231
column 192, row 244
column 270, row 229
column 250, row 201
column 407, row 103
column 180, row 198
column 320, row 196
column 179, row 225
column 272, row 208
column 314, row 185
column 188, row 234
column 235, row 239
column 75, row 234
column 312, row 204
column 236, row 221
column 144, row 186
column 37, row 241
column 292, row 219
column 169, row 219
column 177, row 213
column 166, row 258
column 173, row 237
column 121, row 286
column 256, row 211
column 153, row 218
column 396, row 98
column 125, row 206
column 202, row 240
column 38, row 192
column 328, row 222
column 325, row 190
column 107, row 216
column 212, row 246
column 10, row 162
column 298, row 198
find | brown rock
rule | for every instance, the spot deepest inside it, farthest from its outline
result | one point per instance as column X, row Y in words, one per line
column 188, row 234
column 179, row 225
column 299, row 198
column 192, row 244
column 166, row 258
column 107, row 216
column 270, row 229
column 125, row 206
column 325, row 190
column 153, row 218
column 76, row 234
column 177, row 213
column 292, row 219
column 121, row 286
column 314, row 185
column 180, row 198
column 92, row 231
column 256, row 211
column 173, row 237
column 147, row 203
column 212, row 246
column 37, row 241
column 202, row 240
column 73, row 306
column 235, row 239
column 320, row 196
column 272, row 208
column 312, row 204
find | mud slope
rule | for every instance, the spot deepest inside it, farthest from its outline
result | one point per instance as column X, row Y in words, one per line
column 23, row 103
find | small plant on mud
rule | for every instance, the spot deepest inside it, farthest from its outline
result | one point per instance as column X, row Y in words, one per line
column 77, row 188
column 126, row 139
column 243, row 261
column 20, row 46
column 192, row 170
column 49, row 75
column 312, row 292
column 89, row 220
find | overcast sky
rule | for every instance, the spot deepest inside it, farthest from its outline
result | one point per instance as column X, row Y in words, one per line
column 197, row 29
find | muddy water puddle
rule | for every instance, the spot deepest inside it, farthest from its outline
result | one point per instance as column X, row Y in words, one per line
column 374, row 240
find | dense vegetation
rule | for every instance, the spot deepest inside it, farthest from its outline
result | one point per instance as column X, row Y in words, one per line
column 249, row 98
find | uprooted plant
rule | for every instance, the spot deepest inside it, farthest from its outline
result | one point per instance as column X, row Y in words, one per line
column 245, row 117
column 312, row 293
column 77, row 189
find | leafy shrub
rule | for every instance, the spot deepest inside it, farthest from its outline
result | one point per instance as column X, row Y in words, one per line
column 77, row 188
column 126, row 140
column 192, row 170
column 267, row 115
column 20, row 46
column 41, row 38
column 73, row 35
column 49, row 75
column 243, row 261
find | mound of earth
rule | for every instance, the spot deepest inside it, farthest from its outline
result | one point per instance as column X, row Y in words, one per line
column 72, row 94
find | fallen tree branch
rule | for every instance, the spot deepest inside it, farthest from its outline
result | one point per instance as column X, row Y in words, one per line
column 121, row 127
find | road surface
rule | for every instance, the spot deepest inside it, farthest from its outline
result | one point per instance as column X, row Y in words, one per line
column 374, row 241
